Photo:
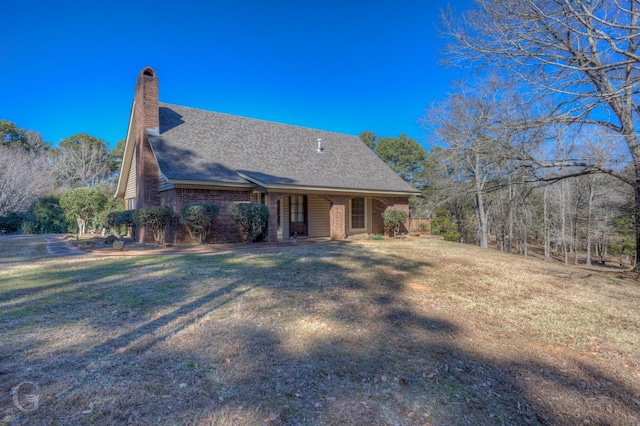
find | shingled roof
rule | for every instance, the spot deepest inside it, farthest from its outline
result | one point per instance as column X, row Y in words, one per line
column 195, row 145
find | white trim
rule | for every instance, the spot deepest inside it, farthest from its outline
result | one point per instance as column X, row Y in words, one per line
column 122, row 184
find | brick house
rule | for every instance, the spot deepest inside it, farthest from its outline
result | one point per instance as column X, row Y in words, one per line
column 315, row 183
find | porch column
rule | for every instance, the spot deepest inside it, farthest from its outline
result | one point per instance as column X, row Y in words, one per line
column 271, row 201
column 338, row 218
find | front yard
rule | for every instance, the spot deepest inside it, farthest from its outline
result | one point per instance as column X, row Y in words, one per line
column 375, row 332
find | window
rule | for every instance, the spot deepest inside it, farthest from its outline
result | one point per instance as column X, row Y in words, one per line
column 297, row 208
column 358, row 213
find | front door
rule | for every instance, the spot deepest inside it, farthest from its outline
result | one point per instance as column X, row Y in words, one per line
column 298, row 215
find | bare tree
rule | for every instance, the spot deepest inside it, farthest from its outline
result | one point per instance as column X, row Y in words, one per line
column 583, row 54
column 23, row 178
column 469, row 124
column 82, row 163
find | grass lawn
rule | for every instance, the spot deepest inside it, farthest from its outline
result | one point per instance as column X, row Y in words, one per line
column 377, row 332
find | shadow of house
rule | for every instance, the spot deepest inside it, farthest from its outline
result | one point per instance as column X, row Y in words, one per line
column 205, row 342
column 315, row 183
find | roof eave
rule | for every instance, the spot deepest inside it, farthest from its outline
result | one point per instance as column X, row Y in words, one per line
column 125, row 167
column 184, row 183
column 324, row 190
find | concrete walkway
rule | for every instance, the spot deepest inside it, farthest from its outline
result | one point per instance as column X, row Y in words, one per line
column 58, row 246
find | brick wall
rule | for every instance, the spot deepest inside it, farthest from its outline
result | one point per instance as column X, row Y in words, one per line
column 224, row 230
column 377, row 208
column 338, row 217
column 146, row 116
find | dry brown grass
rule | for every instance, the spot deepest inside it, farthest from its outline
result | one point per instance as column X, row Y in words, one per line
column 417, row 332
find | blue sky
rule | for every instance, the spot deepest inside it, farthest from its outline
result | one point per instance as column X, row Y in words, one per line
column 347, row 66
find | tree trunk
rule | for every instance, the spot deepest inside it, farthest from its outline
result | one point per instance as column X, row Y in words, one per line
column 482, row 219
column 589, row 213
column 547, row 243
column 563, row 227
column 637, row 208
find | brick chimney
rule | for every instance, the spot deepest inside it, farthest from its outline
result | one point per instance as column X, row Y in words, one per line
column 147, row 122
column 147, row 110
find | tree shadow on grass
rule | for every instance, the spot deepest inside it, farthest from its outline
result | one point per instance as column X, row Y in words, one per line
column 321, row 335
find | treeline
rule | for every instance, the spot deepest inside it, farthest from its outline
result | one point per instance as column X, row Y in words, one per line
column 34, row 176
column 474, row 192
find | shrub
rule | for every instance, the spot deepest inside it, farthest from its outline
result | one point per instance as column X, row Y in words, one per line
column 11, row 222
column 198, row 219
column 83, row 205
column 110, row 220
column 393, row 219
column 156, row 219
column 252, row 218
column 127, row 219
column 377, row 237
column 45, row 217
column 443, row 226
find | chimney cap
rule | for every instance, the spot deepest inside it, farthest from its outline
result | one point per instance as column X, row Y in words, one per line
column 148, row 71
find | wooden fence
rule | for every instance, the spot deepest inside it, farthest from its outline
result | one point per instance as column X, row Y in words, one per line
column 418, row 225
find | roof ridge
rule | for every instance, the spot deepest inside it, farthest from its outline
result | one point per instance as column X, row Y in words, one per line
column 244, row 117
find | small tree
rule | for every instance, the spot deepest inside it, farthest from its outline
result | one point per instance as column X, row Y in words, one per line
column 82, row 204
column 198, row 218
column 126, row 219
column 156, row 219
column 110, row 220
column 393, row 219
column 252, row 217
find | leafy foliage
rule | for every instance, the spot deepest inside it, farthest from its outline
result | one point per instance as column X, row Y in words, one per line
column 443, row 226
column 27, row 140
column 252, row 218
column 11, row 222
column 157, row 219
column 125, row 219
column 370, row 139
column 403, row 154
column 45, row 217
column 109, row 219
column 82, row 204
column 198, row 218
column 392, row 219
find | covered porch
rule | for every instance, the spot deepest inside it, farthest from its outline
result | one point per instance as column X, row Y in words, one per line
column 332, row 216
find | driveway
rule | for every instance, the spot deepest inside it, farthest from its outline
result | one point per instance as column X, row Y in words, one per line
column 56, row 244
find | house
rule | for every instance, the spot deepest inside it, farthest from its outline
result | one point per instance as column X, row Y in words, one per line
column 315, row 183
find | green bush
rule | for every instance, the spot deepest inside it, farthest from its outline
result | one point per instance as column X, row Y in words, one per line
column 11, row 223
column 393, row 219
column 198, row 219
column 126, row 219
column 83, row 205
column 252, row 218
column 443, row 226
column 45, row 217
column 157, row 219
column 376, row 237
column 109, row 219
